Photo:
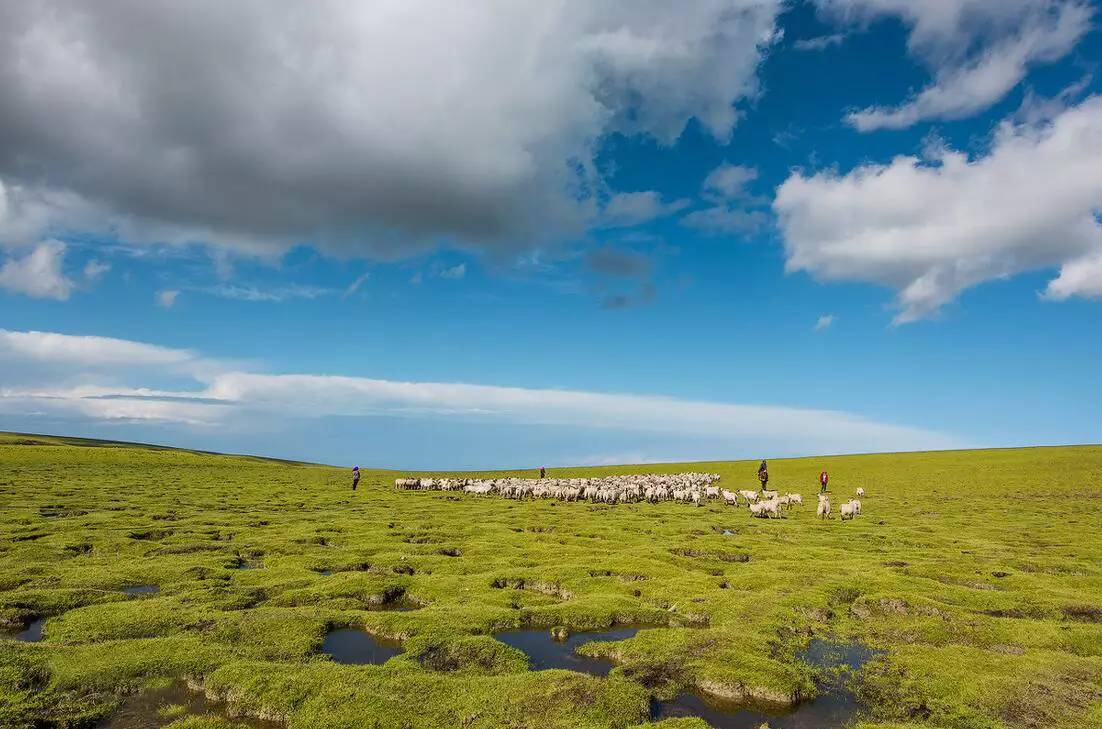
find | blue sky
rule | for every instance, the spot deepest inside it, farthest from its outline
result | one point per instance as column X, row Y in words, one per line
column 521, row 236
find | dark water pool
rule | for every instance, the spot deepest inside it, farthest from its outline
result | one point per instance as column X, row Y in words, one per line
column 33, row 632
column 358, row 647
column 545, row 652
column 158, row 707
column 141, row 589
column 835, row 706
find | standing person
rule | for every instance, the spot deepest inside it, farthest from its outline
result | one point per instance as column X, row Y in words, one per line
column 543, row 471
column 763, row 474
column 355, row 477
column 823, row 478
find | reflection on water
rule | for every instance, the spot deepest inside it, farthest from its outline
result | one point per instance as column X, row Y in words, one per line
column 358, row 647
column 158, row 707
column 546, row 652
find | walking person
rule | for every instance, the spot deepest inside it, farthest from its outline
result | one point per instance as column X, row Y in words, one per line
column 543, row 471
column 823, row 478
column 355, row 477
column 763, row 474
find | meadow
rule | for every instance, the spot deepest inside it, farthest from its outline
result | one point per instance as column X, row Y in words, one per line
column 974, row 576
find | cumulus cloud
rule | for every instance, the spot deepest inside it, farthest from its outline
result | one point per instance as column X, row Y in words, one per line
column 824, row 322
column 932, row 228
column 38, row 274
column 253, row 400
column 732, row 211
column 94, row 270
column 634, row 208
column 166, row 299
column 261, row 125
column 977, row 50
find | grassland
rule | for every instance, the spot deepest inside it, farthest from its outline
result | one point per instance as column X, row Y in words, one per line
column 978, row 574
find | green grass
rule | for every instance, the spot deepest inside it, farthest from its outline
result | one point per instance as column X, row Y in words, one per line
column 978, row 573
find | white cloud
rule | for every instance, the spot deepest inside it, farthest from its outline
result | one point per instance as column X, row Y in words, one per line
column 355, row 285
column 728, row 182
column 819, row 43
column 167, row 298
column 931, row 229
column 722, row 220
column 87, row 351
column 978, row 50
column 455, row 272
column 634, row 208
column 824, row 322
column 732, row 210
column 277, row 294
column 250, row 400
column 38, row 274
column 94, row 270
column 378, row 129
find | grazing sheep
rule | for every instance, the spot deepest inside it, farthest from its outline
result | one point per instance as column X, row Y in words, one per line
column 860, row 491
column 690, row 488
column 847, row 510
column 823, row 511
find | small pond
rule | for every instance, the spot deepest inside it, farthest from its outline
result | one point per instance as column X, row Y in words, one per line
column 141, row 589
column 32, row 633
column 835, row 706
column 158, row 707
column 545, row 652
column 358, row 647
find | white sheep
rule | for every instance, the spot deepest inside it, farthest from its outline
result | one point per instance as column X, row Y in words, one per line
column 823, row 511
column 750, row 496
column 856, row 505
column 795, row 499
column 860, row 491
column 847, row 510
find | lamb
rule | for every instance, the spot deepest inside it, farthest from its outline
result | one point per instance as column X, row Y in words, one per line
column 860, row 491
column 823, row 511
column 847, row 510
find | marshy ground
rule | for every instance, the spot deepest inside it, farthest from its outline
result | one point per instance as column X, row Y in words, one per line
column 198, row 591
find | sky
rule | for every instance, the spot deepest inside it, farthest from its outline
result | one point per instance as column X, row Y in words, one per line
column 505, row 234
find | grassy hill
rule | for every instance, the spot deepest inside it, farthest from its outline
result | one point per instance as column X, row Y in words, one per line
column 978, row 574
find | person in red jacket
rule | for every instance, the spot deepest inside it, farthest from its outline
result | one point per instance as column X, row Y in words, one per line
column 823, row 478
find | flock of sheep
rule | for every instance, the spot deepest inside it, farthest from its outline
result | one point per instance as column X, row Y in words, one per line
column 693, row 488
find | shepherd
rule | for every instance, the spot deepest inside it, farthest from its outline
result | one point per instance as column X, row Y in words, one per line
column 355, row 477
column 543, row 471
column 763, row 474
column 823, row 478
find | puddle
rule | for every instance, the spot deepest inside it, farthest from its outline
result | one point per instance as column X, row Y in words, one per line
column 835, row 705
column 544, row 652
column 141, row 589
column 151, row 709
column 32, row 633
column 358, row 647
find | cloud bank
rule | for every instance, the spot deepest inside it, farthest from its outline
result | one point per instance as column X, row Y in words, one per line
column 227, row 397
